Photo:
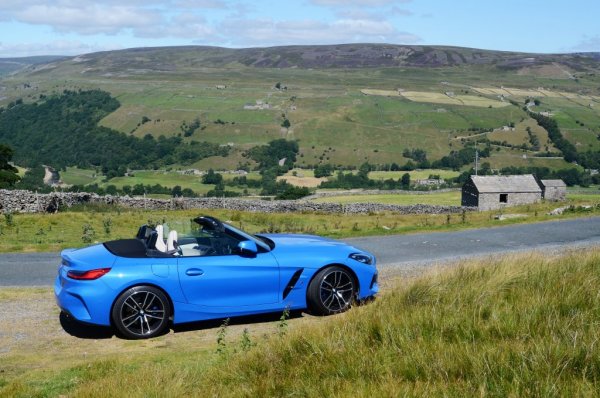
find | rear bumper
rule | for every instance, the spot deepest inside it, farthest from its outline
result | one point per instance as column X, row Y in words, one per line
column 80, row 300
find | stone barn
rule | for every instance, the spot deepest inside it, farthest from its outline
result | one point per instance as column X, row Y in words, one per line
column 554, row 190
column 496, row 192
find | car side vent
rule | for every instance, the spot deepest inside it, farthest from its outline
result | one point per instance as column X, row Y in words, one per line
column 292, row 282
column 373, row 281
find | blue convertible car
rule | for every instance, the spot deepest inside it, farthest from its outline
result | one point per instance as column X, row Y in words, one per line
column 139, row 286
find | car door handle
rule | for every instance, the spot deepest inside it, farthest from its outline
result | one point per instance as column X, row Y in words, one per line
column 194, row 272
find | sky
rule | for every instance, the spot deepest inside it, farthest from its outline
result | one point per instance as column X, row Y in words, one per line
column 72, row 27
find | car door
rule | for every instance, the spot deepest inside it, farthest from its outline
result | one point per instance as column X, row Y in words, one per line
column 229, row 280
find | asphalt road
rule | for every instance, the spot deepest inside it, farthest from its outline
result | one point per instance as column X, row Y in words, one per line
column 403, row 252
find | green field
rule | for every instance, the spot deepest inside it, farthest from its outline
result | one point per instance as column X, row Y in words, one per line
column 513, row 325
column 77, row 176
column 414, row 174
column 437, row 198
column 168, row 179
column 21, row 171
column 165, row 178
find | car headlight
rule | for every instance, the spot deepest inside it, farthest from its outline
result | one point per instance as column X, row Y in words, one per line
column 362, row 258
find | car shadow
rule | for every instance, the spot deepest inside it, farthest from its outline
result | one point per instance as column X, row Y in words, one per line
column 87, row 331
column 240, row 320
column 84, row 330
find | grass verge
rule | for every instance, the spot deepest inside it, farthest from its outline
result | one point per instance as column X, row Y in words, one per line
column 518, row 325
column 88, row 224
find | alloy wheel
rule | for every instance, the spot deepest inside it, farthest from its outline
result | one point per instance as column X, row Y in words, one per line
column 336, row 291
column 143, row 313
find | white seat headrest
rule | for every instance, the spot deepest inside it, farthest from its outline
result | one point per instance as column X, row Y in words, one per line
column 160, row 241
column 172, row 241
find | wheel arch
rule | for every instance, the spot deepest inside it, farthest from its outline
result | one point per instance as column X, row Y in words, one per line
column 171, row 306
column 344, row 266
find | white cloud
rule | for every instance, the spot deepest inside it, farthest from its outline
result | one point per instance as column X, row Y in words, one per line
column 88, row 19
column 216, row 22
column 357, row 13
column 266, row 32
column 181, row 26
column 346, row 3
column 400, row 11
column 588, row 43
column 201, row 4
column 142, row 17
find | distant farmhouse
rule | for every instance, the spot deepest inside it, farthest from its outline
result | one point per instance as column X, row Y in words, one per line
column 496, row 192
column 555, row 190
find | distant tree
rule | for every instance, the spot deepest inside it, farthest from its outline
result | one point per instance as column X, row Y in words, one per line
column 417, row 154
column 111, row 190
column 8, row 173
column 269, row 156
column 324, row 170
column 286, row 123
column 405, row 181
column 33, row 180
column 211, row 178
column 364, row 169
column 188, row 193
column 292, row 192
column 176, row 191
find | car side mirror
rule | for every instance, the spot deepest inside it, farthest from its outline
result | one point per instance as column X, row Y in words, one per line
column 247, row 248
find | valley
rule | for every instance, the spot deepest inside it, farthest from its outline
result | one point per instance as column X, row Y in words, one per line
column 366, row 104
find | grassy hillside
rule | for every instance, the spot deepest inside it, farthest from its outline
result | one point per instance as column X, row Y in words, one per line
column 346, row 104
column 520, row 325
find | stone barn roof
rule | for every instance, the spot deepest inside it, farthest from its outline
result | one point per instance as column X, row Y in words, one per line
column 554, row 183
column 506, row 184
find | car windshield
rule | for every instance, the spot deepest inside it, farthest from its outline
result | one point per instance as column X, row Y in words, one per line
column 268, row 245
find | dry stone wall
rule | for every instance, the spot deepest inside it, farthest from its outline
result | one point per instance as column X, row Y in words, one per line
column 19, row 201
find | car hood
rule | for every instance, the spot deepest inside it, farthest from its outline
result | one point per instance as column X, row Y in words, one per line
column 309, row 251
column 287, row 241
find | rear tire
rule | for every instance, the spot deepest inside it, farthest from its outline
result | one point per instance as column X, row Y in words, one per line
column 141, row 312
column 331, row 291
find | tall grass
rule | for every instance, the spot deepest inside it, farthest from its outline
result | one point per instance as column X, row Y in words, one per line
column 521, row 325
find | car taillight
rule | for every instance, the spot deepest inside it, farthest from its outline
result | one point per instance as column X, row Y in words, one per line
column 88, row 275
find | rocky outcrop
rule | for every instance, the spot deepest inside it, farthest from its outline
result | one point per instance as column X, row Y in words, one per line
column 19, row 201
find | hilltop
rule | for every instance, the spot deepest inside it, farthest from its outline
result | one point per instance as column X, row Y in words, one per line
column 10, row 65
column 171, row 59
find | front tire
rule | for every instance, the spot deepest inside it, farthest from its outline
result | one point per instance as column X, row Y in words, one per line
column 141, row 312
column 331, row 291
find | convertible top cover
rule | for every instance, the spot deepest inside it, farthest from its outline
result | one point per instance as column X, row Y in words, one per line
column 130, row 248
